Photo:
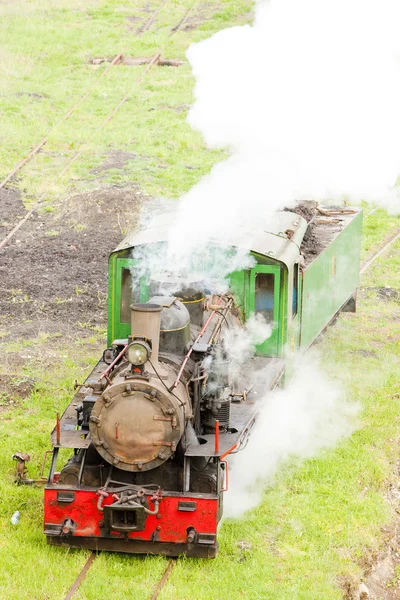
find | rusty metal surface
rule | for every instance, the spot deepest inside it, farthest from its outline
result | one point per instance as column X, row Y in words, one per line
column 70, row 437
column 139, row 444
column 241, row 412
column 21, row 458
column 81, row 576
column 164, row 520
column 163, row 580
column 21, row 470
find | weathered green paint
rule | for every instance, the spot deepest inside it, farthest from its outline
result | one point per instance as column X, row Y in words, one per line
column 238, row 283
column 271, row 346
column 112, row 291
column 323, row 288
column 330, row 280
column 292, row 339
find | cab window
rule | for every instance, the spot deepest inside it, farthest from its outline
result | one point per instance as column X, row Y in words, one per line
column 264, row 295
column 126, row 295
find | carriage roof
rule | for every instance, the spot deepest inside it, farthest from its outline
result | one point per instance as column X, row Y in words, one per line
column 279, row 238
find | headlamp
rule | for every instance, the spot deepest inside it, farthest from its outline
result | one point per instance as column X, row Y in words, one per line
column 138, row 353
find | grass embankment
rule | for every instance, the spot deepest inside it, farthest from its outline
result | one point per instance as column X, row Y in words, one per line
column 318, row 521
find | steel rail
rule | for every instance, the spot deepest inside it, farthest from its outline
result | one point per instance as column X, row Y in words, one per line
column 106, row 121
column 379, row 253
column 150, row 21
column 114, row 62
column 163, row 579
column 40, row 145
column 138, row 81
column 81, row 576
column 371, row 212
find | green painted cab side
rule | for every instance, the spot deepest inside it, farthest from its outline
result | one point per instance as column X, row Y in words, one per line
column 242, row 286
column 112, row 292
column 119, row 328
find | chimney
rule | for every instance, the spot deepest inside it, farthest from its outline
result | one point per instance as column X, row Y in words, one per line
column 145, row 321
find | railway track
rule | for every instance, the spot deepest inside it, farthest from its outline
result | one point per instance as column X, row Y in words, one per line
column 82, row 98
column 74, row 587
column 82, row 575
column 163, row 579
column 379, row 253
column 85, row 145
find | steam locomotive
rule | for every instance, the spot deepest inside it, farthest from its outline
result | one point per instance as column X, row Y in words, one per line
column 151, row 429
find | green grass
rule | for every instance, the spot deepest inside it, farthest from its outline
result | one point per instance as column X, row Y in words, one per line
column 49, row 47
column 320, row 521
column 378, row 228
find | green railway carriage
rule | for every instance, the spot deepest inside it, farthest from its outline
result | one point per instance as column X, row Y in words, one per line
column 300, row 280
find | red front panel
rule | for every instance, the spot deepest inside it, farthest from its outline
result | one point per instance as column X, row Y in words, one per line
column 170, row 525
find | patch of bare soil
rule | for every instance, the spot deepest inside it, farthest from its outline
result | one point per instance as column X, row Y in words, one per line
column 33, row 95
column 381, row 576
column 11, row 209
column 385, row 293
column 116, row 159
column 54, row 270
column 365, row 353
column 12, row 390
column 137, row 61
column 133, row 20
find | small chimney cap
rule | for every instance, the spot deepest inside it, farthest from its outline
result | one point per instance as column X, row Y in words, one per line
column 146, row 307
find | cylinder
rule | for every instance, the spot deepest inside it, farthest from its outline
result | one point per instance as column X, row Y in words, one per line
column 145, row 321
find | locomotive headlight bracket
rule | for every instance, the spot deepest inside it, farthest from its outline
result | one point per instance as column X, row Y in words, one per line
column 138, row 352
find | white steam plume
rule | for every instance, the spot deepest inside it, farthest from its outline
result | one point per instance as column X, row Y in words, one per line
column 310, row 414
column 307, row 100
column 241, row 343
column 238, row 348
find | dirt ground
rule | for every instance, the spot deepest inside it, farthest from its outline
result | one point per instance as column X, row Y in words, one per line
column 54, row 270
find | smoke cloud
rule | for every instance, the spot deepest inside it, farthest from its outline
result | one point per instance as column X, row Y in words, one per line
column 306, row 99
column 312, row 413
column 241, row 343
